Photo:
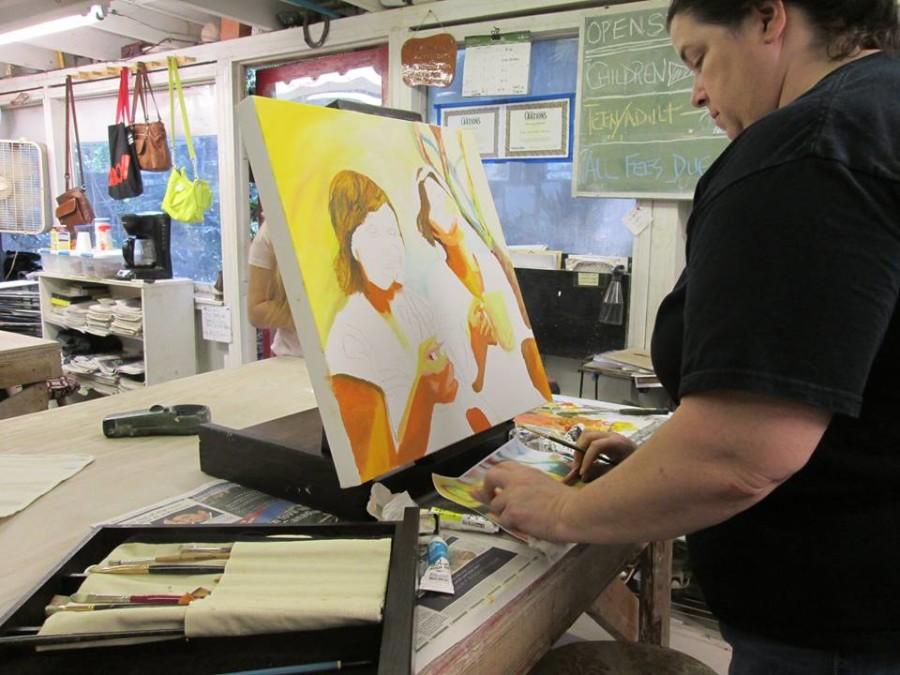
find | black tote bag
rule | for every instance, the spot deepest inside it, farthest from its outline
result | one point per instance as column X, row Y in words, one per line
column 124, row 172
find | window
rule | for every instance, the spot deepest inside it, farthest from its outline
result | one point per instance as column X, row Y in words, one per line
column 196, row 247
column 356, row 76
column 534, row 200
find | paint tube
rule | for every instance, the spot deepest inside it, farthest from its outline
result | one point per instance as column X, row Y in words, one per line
column 465, row 521
column 437, row 575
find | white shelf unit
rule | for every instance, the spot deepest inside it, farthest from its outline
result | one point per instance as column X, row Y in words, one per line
column 168, row 342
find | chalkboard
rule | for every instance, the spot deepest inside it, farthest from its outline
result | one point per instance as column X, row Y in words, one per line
column 637, row 134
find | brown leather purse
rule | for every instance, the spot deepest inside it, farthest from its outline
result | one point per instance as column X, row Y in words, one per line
column 73, row 205
column 149, row 137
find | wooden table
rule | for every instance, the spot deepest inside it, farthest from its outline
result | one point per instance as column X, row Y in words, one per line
column 29, row 362
column 134, row 472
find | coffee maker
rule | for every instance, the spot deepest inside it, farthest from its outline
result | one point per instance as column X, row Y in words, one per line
column 147, row 249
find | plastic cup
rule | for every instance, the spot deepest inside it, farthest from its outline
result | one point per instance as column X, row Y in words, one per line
column 83, row 242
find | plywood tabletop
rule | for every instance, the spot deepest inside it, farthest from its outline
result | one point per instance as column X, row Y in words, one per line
column 128, row 473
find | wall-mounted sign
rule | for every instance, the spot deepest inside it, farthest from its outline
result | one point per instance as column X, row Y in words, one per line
column 429, row 61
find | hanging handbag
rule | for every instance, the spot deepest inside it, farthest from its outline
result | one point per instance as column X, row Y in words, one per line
column 150, row 140
column 185, row 199
column 124, row 173
column 73, row 208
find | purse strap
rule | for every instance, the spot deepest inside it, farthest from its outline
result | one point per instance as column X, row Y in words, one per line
column 139, row 95
column 70, row 108
column 122, row 113
column 142, row 87
column 175, row 87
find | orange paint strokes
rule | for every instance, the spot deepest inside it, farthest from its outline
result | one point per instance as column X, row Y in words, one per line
column 379, row 297
column 480, row 339
column 536, row 368
column 436, row 383
column 364, row 413
column 466, row 269
column 478, row 421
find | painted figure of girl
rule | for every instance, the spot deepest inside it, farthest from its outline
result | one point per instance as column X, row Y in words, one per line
column 388, row 371
column 481, row 280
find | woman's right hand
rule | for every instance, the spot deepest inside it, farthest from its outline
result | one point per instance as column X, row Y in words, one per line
column 593, row 444
column 435, row 371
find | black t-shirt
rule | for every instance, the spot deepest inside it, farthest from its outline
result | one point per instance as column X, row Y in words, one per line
column 791, row 290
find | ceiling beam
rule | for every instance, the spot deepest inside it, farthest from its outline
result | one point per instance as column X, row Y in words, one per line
column 28, row 56
column 89, row 42
column 368, row 5
column 176, row 9
column 140, row 23
column 260, row 14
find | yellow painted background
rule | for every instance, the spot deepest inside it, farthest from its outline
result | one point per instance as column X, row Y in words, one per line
column 307, row 146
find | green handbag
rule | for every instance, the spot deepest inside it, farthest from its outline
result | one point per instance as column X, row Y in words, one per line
column 185, row 199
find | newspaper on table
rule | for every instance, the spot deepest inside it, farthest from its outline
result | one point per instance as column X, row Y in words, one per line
column 490, row 571
column 556, row 418
column 220, row 502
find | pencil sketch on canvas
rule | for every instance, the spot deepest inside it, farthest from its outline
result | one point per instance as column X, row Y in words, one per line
column 412, row 322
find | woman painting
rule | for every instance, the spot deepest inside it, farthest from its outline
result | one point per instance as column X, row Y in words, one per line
column 781, row 341
column 388, row 371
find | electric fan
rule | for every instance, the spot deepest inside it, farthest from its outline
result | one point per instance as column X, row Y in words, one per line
column 24, row 202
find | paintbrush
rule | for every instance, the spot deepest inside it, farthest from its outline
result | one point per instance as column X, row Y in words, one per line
column 157, row 568
column 95, row 606
column 97, row 598
column 185, row 556
column 602, row 458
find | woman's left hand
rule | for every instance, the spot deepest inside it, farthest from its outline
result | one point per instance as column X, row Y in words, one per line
column 526, row 500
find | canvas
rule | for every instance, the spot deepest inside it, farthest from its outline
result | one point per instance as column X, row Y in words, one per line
column 396, row 271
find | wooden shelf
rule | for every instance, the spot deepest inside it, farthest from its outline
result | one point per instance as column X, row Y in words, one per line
column 60, row 324
column 168, row 342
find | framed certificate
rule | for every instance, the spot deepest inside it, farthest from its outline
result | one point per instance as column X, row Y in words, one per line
column 523, row 129
column 538, row 130
column 484, row 121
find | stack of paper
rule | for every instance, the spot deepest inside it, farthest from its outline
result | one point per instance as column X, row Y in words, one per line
column 20, row 307
column 107, row 373
column 535, row 257
column 99, row 316
column 128, row 317
column 604, row 264
column 634, row 362
column 74, row 316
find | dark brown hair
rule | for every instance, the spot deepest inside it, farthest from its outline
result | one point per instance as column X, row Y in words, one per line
column 844, row 26
column 352, row 196
column 423, row 219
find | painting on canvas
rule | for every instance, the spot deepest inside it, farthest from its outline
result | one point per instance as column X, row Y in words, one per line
column 412, row 323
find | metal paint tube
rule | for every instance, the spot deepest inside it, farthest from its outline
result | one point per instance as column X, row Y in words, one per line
column 437, row 576
column 465, row 521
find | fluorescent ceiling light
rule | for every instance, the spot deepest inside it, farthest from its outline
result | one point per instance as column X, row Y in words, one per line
column 60, row 25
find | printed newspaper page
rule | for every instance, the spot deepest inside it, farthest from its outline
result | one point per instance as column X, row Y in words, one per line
column 489, row 571
column 219, row 502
